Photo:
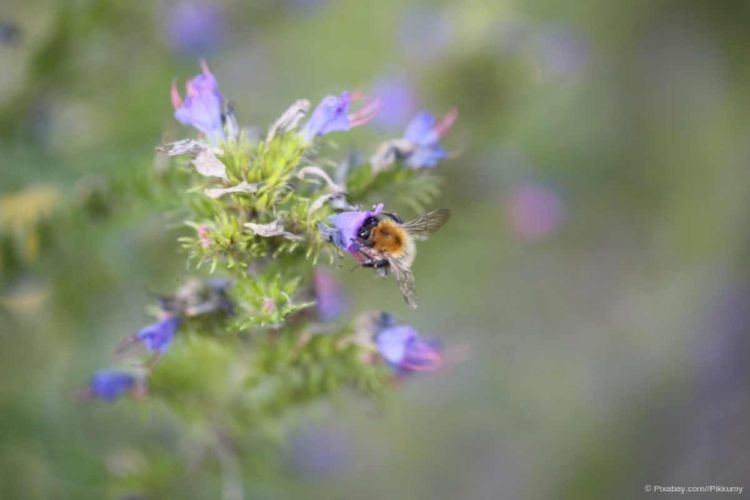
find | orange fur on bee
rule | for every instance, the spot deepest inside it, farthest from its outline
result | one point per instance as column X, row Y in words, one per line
column 388, row 237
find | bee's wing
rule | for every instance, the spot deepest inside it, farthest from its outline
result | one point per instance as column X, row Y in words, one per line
column 423, row 226
column 405, row 281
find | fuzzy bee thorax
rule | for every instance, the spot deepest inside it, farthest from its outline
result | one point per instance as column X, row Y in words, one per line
column 390, row 238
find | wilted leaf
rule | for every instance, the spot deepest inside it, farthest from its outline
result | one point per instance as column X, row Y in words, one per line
column 186, row 147
column 388, row 152
column 208, row 165
column 290, row 119
column 272, row 229
column 337, row 200
column 319, row 172
column 242, row 187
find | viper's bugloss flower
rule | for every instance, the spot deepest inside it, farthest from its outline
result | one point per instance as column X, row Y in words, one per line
column 332, row 115
column 195, row 28
column 108, row 385
column 155, row 338
column 562, row 52
column 405, row 350
column 202, row 106
column 329, row 295
column 423, row 134
column 346, row 225
column 425, row 33
column 398, row 101
column 318, row 451
column 534, row 211
column 158, row 336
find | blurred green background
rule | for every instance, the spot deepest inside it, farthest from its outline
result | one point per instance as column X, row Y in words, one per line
column 592, row 284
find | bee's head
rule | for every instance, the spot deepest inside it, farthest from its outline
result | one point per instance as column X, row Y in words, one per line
column 367, row 226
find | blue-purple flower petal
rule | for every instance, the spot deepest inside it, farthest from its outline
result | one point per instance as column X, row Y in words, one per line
column 423, row 137
column 202, row 106
column 421, row 129
column 345, row 227
column 405, row 350
column 426, row 156
column 331, row 115
column 329, row 295
column 158, row 336
column 109, row 385
column 195, row 28
column 392, row 342
column 397, row 100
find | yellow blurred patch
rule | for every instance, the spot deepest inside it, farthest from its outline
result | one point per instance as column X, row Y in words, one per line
column 24, row 302
column 22, row 212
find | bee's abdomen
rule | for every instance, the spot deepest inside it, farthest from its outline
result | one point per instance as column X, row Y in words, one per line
column 389, row 238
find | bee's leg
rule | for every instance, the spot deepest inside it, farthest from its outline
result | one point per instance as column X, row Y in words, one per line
column 382, row 266
column 376, row 264
column 361, row 257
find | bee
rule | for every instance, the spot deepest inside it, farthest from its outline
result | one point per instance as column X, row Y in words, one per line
column 388, row 245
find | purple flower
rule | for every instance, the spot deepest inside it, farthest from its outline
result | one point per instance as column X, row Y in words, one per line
column 425, row 33
column 397, row 102
column 108, row 385
column 195, row 28
column 202, row 107
column 329, row 295
column 317, row 451
column 346, row 225
column 154, row 338
column 332, row 115
column 423, row 135
column 534, row 211
column 562, row 52
column 404, row 350
column 158, row 336
column 305, row 6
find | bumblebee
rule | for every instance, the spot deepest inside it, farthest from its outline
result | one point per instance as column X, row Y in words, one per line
column 387, row 245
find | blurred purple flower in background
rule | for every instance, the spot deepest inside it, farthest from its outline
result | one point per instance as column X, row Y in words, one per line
column 345, row 228
column 329, row 295
column 420, row 146
column 561, row 51
column 317, row 452
column 10, row 33
column 332, row 115
column 404, row 349
column 534, row 211
column 423, row 134
column 158, row 336
column 424, row 33
column 398, row 101
column 202, row 107
column 108, row 385
column 713, row 416
column 304, row 6
column 195, row 28
column 155, row 338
